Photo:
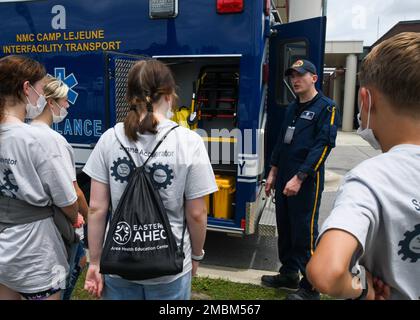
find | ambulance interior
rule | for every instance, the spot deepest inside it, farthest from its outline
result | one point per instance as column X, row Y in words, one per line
column 208, row 90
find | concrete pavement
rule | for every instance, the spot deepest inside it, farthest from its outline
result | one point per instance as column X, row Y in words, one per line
column 252, row 276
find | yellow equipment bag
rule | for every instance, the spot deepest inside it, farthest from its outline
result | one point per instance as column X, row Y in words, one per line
column 181, row 116
column 222, row 200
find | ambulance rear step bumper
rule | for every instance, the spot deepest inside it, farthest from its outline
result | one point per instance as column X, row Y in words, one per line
column 267, row 225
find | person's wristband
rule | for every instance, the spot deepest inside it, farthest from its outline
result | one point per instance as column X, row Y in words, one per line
column 198, row 258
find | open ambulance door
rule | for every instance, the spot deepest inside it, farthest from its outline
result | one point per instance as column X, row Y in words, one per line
column 117, row 67
column 289, row 42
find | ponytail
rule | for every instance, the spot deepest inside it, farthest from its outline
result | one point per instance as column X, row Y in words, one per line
column 133, row 124
column 148, row 81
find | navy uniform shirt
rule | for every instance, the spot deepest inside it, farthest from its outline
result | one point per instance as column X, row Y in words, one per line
column 315, row 132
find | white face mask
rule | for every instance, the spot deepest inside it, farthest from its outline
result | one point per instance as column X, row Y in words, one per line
column 169, row 114
column 61, row 116
column 367, row 134
column 33, row 111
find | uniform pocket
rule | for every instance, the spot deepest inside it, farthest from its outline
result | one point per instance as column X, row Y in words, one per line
column 303, row 124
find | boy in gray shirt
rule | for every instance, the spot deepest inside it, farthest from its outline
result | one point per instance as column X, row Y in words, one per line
column 369, row 247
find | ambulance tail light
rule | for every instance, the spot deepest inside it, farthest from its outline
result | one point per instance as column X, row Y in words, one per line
column 266, row 73
column 243, row 224
column 230, row 6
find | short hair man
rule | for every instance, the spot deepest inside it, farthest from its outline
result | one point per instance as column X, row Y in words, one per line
column 297, row 174
column 374, row 228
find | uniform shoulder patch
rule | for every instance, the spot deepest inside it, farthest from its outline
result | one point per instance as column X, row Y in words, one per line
column 330, row 108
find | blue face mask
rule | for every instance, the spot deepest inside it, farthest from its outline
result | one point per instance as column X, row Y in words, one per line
column 367, row 133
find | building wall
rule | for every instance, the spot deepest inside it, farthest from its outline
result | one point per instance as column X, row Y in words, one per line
column 403, row 26
column 304, row 9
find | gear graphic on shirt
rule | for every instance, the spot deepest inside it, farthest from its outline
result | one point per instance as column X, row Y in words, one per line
column 162, row 175
column 121, row 169
column 410, row 246
column 7, row 193
column 9, row 181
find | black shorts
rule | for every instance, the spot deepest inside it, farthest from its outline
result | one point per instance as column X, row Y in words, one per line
column 39, row 295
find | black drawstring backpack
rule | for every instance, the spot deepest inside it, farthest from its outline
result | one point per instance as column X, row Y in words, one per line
column 140, row 244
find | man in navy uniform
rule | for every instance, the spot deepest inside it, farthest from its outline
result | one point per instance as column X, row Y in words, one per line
column 306, row 138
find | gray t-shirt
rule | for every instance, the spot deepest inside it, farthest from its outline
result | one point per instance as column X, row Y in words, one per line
column 61, row 146
column 66, row 151
column 379, row 204
column 180, row 167
column 32, row 254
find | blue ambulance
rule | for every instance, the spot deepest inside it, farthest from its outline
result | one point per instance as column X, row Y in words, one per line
column 228, row 58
